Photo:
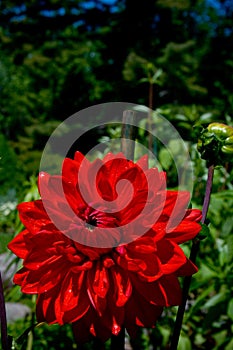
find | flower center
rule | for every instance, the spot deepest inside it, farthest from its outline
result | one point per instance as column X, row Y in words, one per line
column 90, row 222
column 97, row 218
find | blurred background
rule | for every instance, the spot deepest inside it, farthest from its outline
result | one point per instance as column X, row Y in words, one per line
column 58, row 57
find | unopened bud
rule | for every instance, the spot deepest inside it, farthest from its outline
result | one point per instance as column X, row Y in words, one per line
column 216, row 144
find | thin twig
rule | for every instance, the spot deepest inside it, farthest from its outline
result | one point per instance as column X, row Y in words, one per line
column 207, row 193
column 150, row 136
column 4, row 337
column 128, row 134
column 193, row 255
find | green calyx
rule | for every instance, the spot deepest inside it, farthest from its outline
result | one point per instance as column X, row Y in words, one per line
column 215, row 144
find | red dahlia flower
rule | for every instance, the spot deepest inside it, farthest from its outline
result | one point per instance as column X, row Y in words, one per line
column 101, row 248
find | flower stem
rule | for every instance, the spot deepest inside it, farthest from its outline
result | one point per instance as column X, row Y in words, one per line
column 207, row 193
column 118, row 342
column 193, row 255
column 4, row 337
column 128, row 134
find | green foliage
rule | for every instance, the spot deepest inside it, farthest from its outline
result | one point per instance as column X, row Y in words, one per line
column 180, row 65
column 10, row 170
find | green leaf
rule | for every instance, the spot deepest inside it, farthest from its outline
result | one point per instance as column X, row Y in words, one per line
column 206, row 118
column 230, row 309
column 229, row 346
column 184, row 343
column 23, row 337
column 165, row 158
column 216, row 299
column 199, row 301
column 220, row 337
column 230, row 248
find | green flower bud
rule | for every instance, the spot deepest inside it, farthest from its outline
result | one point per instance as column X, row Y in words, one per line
column 229, row 141
column 227, row 149
column 216, row 144
column 220, row 130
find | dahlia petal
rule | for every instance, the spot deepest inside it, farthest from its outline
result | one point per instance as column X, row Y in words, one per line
column 105, row 190
column 77, row 312
column 188, row 269
column 157, row 232
column 171, row 256
column 55, row 194
column 155, row 186
column 94, row 169
column 45, row 306
column 42, row 243
column 171, row 290
column 86, row 184
column 77, row 298
column 50, row 307
column 140, row 312
column 111, row 320
column 103, row 331
column 79, row 157
column 150, row 291
column 50, row 187
column 193, row 215
column 18, row 246
column 92, row 253
column 185, row 231
column 177, row 200
column 147, row 266
column 61, row 215
column 115, row 327
column 174, row 207
column 31, row 282
column 114, row 166
column 70, row 170
column 33, row 215
column 101, row 327
column 48, row 279
column 143, row 162
column 70, row 289
column 81, row 328
column 114, row 318
column 143, row 245
column 43, row 279
column 35, row 259
column 72, row 197
column 153, row 269
column 20, row 276
column 99, row 280
column 133, row 209
column 122, row 286
column 120, row 156
column 97, row 287
column 128, row 263
column 97, row 241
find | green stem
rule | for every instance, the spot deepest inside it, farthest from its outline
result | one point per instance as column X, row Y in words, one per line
column 4, row 337
column 193, row 255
